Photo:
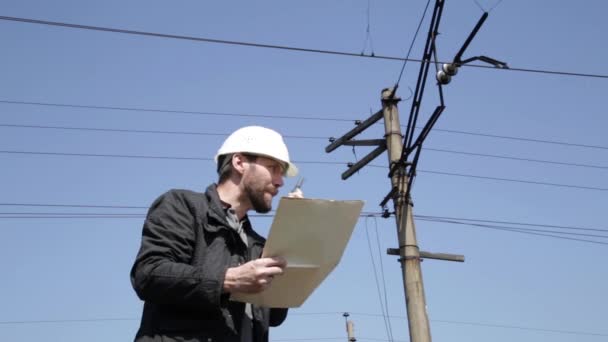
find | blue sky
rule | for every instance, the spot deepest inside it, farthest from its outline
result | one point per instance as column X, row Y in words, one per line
column 68, row 269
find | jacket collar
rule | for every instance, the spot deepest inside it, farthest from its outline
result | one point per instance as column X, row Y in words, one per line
column 217, row 213
column 215, row 208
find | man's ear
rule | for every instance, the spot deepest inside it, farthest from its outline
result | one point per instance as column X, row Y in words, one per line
column 238, row 163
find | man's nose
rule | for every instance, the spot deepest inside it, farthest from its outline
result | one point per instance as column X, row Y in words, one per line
column 278, row 180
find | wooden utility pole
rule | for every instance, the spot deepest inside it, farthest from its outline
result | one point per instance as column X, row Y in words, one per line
column 409, row 253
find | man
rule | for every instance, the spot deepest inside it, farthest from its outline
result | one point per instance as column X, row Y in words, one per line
column 199, row 248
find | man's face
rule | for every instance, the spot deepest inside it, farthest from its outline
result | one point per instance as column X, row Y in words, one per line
column 261, row 182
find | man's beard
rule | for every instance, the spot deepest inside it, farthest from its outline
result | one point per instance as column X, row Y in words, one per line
column 256, row 198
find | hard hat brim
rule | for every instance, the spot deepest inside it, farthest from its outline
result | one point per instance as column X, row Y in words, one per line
column 292, row 169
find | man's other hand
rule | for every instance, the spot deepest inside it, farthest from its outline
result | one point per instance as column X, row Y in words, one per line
column 254, row 276
column 296, row 193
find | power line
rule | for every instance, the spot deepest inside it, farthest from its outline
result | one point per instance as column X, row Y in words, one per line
column 46, row 215
column 362, row 314
column 94, row 129
column 528, row 231
column 437, row 219
column 523, row 181
column 485, row 225
column 287, row 117
column 537, row 232
column 383, row 305
column 510, row 222
column 57, row 205
column 23, row 217
column 153, row 110
column 494, row 325
column 120, row 130
column 269, row 46
column 309, row 339
column 191, row 38
column 363, row 214
column 516, row 158
column 533, row 231
column 495, row 136
column 368, row 33
column 381, row 271
column 65, row 154
column 519, row 230
column 60, row 321
column 412, row 43
column 491, row 9
column 75, row 214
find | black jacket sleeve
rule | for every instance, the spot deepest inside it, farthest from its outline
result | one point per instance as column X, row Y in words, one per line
column 277, row 316
column 162, row 272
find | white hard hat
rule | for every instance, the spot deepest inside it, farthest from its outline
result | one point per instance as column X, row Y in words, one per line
column 259, row 141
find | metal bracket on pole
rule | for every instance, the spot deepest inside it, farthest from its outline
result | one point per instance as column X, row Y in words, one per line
column 426, row 129
column 448, row 70
column 429, row 255
column 335, row 143
column 364, row 161
column 402, row 164
column 480, row 22
column 393, row 194
column 346, row 140
column 389, row 196
column 368, row 142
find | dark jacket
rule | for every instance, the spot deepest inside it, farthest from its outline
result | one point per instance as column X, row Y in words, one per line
column 187, row 245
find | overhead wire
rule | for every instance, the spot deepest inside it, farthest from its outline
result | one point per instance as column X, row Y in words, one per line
column 153, row 110
column 107, row 214
column 383, row 305
column 541, row 161
column 307, row 339
column 363, row 214
column 409, row 51
column 105, row 155
column 527, row 224
column 523, row 181
column 360, row 314
column 476, row 223
column 268, row 46
column 479, row 5
column 486, row 225
column 537, row 232
column 60, row 321
column 119, row 130
column 506, row 229
column 543, row 141
column 494, row 325
column 375, row 218
column 287, row 117
column 495, row 5
column 491, row 8
column 63, row 205
column 368, row 33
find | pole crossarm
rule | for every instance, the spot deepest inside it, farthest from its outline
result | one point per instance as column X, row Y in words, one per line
column 364, row 161
column 429, row 255
column 346, row 140
column 335, row 143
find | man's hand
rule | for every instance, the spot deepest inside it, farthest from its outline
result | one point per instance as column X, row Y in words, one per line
column 296, row 193
column 254, row 276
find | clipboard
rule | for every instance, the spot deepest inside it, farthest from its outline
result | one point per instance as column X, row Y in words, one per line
column 311, row 234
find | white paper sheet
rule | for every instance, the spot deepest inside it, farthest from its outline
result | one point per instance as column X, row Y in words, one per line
column 311, row 234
